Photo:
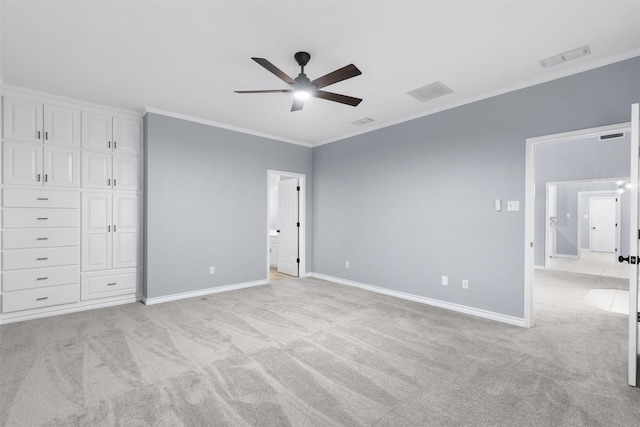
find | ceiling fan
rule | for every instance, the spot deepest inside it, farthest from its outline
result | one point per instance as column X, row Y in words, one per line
column 303, row 88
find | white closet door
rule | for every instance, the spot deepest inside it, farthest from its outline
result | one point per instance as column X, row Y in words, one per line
column 61, row 126
column 96, row 170
column 96, row 231
column 288, row 226
column 22, row 120
column 125, row 230
column 126, row 136
column 61, row 167
column 96, row 131
column 22, row 163
column 125, row 172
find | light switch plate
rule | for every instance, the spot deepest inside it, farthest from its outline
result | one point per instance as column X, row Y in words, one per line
column 513, row 205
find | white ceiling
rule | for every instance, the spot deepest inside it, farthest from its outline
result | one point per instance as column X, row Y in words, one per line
column 188, row 57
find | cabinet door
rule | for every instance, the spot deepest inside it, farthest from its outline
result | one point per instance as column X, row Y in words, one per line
column 22, row 120
column 96, row 170
column 61, row 167
column 125, row 231
column 96, row 231
column 125, row 173
column 96, row 131
column 22, row 163
column 61, row 126
column 126, row 136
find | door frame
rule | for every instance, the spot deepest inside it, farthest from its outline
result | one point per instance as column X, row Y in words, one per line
column 529, row 214
column 302, row 204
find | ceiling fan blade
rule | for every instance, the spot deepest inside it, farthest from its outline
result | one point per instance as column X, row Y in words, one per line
column 336, row 76
column 344, row 99
column 275, row 70
column 297, row 104
column 265, row 91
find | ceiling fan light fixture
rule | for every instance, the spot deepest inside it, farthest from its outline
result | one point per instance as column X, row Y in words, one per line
column 302, row 94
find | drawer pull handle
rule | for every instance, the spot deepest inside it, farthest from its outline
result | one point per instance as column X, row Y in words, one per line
column 114, row 182
column 46, row 179
column 42, row 219
column 42, row 278
column 111, row 284
column 115, row 145
column 42, row 198
column 38, row 177
column 46, row 135
column 108, row 144
column 42, row 238
column 41, row 298
column 109, row 182
column 114, row 228
column 41, row 259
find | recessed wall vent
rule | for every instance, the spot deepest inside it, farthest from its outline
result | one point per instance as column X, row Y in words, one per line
column 566, row 56
column 430, row 91
column 612, row 136
column 363, row 121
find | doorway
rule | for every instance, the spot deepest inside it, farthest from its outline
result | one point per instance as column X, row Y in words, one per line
column 578, row 293
column 286, row 225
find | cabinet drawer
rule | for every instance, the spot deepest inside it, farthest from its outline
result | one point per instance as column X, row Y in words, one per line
column 28, row 218
column 98, row 285
column 36, row 198
column 17, row 280
column 39, row 238
column 34, row 258
column 42, row 297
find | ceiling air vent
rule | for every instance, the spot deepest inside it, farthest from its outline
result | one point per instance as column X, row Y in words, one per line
column 566, row 56
column 362, row 121
column 430, row 91
column 612, row 136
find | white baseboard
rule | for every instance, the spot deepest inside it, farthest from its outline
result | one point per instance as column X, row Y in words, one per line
column 516, row 321
column 565, row 256
column 201, row 292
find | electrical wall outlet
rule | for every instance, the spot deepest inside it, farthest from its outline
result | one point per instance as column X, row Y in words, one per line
column 445, row 281
column 465, row 284
column 212, row 270
column 346, row 264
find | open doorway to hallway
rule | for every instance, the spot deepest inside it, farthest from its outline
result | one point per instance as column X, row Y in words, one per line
column 569, row 274
column 286, row 229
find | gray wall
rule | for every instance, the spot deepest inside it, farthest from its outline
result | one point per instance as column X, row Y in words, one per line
column 574, row 160
column 206, row 204
column 409, row 203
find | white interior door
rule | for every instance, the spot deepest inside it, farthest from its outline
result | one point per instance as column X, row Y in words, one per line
column 551, row 222
column 288, row 226
column 633, row 246
column 602, row 217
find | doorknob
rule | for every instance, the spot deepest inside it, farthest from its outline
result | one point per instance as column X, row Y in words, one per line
column 629, row 259
column 593, row 228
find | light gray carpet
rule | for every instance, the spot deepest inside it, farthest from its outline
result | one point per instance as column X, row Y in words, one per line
column 306, row 352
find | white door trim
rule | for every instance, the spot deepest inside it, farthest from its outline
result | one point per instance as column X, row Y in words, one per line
column 529, row 214
column 301, row 213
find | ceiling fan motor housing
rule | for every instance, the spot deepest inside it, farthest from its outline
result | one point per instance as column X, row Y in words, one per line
column 302, row 58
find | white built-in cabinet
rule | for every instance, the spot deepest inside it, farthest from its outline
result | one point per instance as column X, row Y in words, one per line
column 114, row 134
column 33, row 164
column 106, row 171
column 70, row 206
column 109, row 231
column 32, row 121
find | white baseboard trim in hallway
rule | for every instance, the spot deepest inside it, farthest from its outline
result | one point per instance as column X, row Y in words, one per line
column 516, row 321
column 201, row 292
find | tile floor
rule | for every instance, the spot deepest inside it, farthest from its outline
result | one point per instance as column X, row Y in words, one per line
column 598, row 264
column 595, row 263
